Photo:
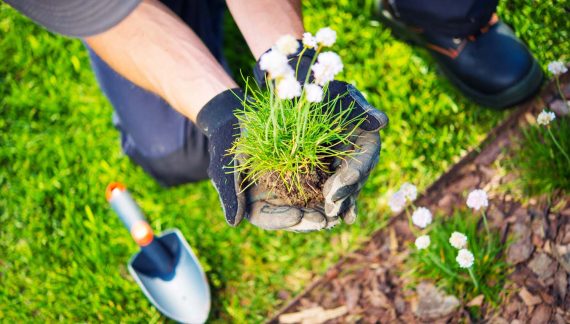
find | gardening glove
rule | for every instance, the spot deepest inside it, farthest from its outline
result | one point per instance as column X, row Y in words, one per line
column 218, row 122
column 342, row 188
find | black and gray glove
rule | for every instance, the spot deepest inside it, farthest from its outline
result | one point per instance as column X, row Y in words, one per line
column 218, row 122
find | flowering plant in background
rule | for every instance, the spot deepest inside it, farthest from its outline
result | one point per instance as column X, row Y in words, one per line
column 410, row 191
column 544, row 119
column 458, row 240
column 477, row 199
column 422, row 242
column 452, row 251
column 557, row 68
column 291, row 131
column 421, row 217
column 397, row 202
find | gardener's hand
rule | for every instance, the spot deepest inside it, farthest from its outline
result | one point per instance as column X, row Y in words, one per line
column 271, row 213
column 218, row 122
column 343, row 187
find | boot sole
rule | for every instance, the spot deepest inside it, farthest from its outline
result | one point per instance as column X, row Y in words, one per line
column 519, row 92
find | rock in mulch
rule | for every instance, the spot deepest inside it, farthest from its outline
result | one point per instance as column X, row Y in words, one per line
column 541, row 314
column 433, row 304
column 543, row 266
column 562, row 253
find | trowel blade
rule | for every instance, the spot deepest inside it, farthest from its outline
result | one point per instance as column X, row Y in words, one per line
column 183, row 296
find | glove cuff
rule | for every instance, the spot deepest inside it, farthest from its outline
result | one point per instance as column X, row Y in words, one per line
column 219, row 110
column 304, row 65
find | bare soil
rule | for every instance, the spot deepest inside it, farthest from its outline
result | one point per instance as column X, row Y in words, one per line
column 366, row 286
column 311, row 194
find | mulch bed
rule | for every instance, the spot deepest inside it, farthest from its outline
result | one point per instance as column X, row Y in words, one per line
column 365, row 286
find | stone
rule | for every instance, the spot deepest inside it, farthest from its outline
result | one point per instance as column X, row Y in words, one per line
column 562, row 253
column 542, row 265
column 561, row 283
column 564, row 233
column 498, row 320
column 520, row 251
column 400, row 305
column 433, row 304
column 541, row 314
column 559, row 107
column 520, row 229
column 528, row 298
column 538, row 226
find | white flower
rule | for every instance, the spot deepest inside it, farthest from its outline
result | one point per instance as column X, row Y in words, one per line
column 458, row 240
column 477, row 199
column 421, row 217
column 314, row 93
column 423, row 242
column 465, row 258
column 276, row 64
column 397, row 202
column 328, row 65
column 326, row 36
column 309, row 41
column 557, row 68
column 287, row 45
column 288, row 88
column 410, row 191
column 545, row 117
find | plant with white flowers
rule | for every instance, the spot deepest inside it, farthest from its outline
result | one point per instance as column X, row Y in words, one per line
column 477, row 199
column 453, row 254
column 422, row 242
column 545, row 118
column 290, row 131
column 458, row 240
column 557, row 68
column 422, row 217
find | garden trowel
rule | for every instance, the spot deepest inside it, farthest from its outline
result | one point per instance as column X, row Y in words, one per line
column 166, row 269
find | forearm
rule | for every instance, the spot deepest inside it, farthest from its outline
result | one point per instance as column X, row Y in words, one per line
column 154, row 49
column 263, row 22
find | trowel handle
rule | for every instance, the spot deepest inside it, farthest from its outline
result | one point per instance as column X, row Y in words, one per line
column 161, row 261
column 130, row 213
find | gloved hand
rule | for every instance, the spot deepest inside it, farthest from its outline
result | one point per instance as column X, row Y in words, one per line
column 344, row 185
column 218, row 122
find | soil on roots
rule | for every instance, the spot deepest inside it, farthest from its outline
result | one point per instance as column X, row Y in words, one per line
column 310, row 194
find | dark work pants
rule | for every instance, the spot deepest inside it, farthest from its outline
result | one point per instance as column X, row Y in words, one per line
column 456, row 18
column 163, row 142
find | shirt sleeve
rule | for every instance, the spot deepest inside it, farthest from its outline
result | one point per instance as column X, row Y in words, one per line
column 76, row 18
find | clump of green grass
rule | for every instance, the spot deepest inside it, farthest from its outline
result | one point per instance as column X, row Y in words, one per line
column 539, row 160
column 290, row 139
column 438, row 263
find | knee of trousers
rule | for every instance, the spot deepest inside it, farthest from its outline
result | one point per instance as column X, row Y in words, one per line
column 176, row 168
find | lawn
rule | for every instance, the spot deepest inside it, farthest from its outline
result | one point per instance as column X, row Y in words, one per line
column 63, row 252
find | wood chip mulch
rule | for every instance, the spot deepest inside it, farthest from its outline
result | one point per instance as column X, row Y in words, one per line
column 366, row 286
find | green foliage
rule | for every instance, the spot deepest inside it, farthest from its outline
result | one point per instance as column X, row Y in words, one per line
column 63, row 251
column 437, row 263
column 538, row 160
column 289, row 138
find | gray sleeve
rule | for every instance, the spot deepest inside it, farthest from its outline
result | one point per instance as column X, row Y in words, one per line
column 76, row 18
